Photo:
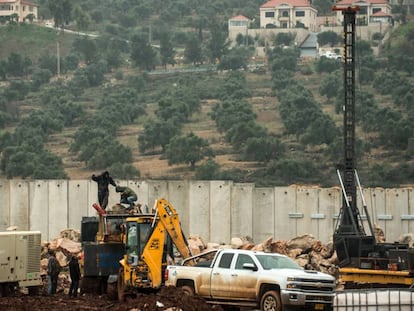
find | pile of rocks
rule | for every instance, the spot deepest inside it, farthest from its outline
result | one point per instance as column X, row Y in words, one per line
column 309, row 252
column 65, row 246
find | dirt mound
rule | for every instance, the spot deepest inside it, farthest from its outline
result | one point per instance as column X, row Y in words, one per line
column 168, row 298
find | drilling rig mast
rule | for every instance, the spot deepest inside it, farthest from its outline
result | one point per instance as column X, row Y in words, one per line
column 363, row 261
column 350, row 238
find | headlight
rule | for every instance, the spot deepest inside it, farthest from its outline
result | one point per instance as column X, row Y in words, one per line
column 291, row 286
column 292, row 279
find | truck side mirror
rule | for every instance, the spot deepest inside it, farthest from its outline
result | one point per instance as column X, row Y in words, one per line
column 250, row 266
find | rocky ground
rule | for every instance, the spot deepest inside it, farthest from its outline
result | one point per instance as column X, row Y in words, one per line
column 168, row 298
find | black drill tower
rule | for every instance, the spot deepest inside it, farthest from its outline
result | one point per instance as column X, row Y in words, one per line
column 350, row 239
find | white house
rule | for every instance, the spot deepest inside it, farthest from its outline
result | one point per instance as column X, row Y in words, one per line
column 238, row 25
column 21, row 8
column 288, row 14
column 370, row 11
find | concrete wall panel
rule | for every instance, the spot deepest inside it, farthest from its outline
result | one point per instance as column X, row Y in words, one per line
column 220, row 207
column 308, row 205
column 77, row 202
column 39, row 207
column 404, row 211
column 19, row 204
column 199, row 209
column 396, row 205
column 378, row 210
column 264, row 214
column 58, row 207
column 370, row 201
column 4, row 204
column 157, row 189
column 329, row 201
column 143, row 193
column 178, row 197
column 411, row 210
column 285, row 212
column 115, row 197
column 242, row 210
column 93, row 197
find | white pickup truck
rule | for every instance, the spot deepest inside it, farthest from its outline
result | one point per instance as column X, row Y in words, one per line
column 247, row 278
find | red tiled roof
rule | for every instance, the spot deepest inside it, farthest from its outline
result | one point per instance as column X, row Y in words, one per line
column 295, row 3
column 380, row 13
column 14, row 1
column 239, row 17
column 355, row 2
column 29, row 3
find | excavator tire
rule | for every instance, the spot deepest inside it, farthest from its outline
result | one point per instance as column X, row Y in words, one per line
column 121, row 285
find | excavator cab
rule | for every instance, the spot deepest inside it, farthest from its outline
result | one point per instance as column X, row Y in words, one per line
column 138, row 230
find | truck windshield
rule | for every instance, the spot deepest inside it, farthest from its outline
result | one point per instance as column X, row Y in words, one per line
column 277, row 262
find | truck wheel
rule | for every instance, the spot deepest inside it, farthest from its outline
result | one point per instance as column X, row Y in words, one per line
column 271, row 301
column 188, row 290
column 121, row 285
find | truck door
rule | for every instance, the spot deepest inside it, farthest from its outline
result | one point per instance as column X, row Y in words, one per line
column 231, row 279
column 221, row 277
column 244, row 277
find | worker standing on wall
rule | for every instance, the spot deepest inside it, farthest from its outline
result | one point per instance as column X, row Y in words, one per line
column 103, row 180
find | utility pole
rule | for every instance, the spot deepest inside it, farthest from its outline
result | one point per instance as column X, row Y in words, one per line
column 58, row 58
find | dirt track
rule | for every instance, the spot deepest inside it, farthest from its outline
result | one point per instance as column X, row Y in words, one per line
column 166, row 299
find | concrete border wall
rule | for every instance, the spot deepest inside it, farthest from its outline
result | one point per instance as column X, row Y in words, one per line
column 214, row 210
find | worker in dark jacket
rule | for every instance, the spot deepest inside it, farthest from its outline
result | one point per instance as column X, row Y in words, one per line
column 128, row 196
column 75, row 275
column 103, row 180
column 53, row 270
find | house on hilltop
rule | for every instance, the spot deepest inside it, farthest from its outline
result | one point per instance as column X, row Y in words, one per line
column 238, row 25
column 19, row 8
column 288, row 14
column 370, row 11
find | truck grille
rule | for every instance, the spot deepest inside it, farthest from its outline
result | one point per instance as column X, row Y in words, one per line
column 319, row 298
column 316, row 288
column 310, row 285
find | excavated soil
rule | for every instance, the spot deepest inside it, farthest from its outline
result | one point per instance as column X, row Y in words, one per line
column 168, row 298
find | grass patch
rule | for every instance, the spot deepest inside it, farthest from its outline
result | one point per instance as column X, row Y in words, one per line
column 33, row 40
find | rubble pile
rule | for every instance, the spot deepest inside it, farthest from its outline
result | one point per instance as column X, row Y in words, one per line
column 65, row 246
column 307, row 251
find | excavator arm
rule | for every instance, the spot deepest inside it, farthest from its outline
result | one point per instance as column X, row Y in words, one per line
column 171, row 222
column 166, row 220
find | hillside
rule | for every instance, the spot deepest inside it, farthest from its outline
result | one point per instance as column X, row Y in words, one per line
column 152, row 164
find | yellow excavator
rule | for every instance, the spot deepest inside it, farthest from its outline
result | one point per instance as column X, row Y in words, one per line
column 148, row 240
